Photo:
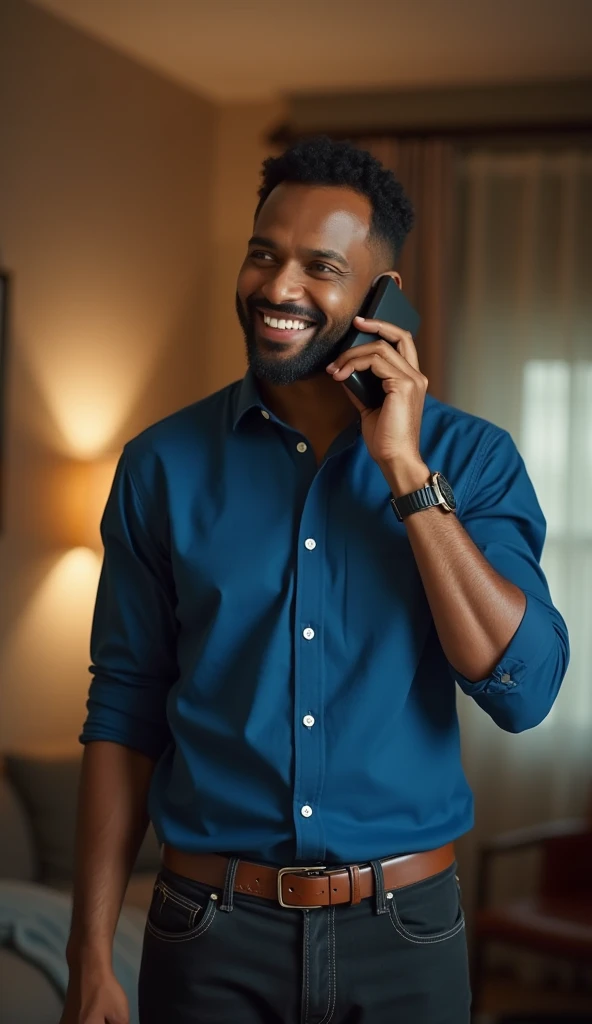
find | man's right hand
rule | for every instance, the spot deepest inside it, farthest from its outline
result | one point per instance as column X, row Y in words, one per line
column 97, row 1000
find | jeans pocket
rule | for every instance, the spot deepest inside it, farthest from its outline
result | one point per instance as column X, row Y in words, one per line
column 175, row 916
column 429, row 911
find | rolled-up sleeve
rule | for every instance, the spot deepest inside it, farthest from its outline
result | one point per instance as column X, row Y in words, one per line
column 134, row 632
column 502, row 515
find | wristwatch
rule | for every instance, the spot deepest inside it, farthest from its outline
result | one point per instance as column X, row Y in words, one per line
column 437, row 492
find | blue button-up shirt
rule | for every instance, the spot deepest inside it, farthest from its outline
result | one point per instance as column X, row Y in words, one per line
column 262, row 632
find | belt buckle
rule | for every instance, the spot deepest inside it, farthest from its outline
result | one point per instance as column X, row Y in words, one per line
column 297, row 871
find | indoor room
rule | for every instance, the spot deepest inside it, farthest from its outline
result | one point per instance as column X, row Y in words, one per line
column 133, row 134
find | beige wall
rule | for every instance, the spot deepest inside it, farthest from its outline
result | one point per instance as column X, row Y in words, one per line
column 105, row 186
column 242, row 146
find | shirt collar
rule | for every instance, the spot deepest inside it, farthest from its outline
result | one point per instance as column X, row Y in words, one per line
column 247, row 398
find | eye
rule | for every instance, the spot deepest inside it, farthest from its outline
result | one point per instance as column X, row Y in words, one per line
column 323, row 268
column 259, row 254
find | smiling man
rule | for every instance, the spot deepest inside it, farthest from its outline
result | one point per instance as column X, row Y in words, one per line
column 291, row 596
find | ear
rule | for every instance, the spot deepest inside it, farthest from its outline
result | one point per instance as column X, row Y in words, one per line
column 390, row 273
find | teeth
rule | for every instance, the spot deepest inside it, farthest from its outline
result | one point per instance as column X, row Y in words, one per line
column 285, row 325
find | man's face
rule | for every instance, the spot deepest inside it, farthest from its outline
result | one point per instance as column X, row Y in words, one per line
column 308, row 268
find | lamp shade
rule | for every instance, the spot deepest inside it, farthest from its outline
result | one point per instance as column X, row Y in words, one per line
column 80, row 492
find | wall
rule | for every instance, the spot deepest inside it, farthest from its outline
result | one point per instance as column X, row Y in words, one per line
column 105, row 221
column 241, row 147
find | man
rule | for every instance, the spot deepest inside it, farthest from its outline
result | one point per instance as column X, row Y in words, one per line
column 276, row 650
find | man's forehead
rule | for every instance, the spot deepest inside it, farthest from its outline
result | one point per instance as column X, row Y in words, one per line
column 316, row 216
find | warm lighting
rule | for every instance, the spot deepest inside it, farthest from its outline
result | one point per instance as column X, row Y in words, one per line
column 47, row 650
column 89, row 371
column 79, row 492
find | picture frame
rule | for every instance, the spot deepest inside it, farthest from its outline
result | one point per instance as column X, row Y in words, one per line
column 4, row 309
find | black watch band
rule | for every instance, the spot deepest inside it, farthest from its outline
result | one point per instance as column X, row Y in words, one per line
column 415, row 502
column 426, row 497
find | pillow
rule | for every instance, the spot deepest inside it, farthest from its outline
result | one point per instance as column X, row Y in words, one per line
column 48, row 786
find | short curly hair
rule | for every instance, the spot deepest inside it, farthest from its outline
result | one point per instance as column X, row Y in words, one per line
column 323, row 161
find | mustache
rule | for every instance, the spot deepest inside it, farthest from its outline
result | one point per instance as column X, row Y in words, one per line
column 287, row 309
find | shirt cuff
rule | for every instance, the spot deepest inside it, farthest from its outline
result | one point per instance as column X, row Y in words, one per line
column 524, row 654
column 118, row 727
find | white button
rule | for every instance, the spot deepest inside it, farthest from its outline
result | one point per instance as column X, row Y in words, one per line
column 265, row 414
column 306, row 811
column 308, row 721
column 310, row 543
column 506, row 678
column 301, row 446
column 308, row 633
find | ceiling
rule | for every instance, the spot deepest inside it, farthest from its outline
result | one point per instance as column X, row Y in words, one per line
column 246, row 50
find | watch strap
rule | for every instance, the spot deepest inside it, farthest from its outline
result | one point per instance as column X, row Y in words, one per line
column 417, row 501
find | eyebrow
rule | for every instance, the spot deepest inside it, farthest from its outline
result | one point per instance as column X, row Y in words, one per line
column 319, row 254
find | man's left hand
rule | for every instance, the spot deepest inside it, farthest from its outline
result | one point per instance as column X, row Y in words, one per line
column 391, row 432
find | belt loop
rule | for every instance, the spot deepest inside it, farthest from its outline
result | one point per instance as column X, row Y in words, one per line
column 380, row 899
column 354, row 879
column 228, row 894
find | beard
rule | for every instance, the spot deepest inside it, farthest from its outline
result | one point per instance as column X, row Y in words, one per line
column 267, row 359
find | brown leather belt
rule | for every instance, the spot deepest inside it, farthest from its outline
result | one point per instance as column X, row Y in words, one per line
column 308, row 888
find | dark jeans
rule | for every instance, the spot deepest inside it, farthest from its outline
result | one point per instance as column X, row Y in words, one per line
column 214, row 958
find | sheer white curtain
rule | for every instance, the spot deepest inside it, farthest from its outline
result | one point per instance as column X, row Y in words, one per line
column 522, row 357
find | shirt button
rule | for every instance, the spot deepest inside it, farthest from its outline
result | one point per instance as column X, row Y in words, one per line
column 308, row 721
column 308, row 633
column 306, row 811
column 301, row 446
column 506, row 678
column 265, row 414
column 310, row 544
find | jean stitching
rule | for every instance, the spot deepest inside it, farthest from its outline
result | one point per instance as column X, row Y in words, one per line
column 306, row 978
column 205, row 923
column 182, row 901
column 228, row 892
column 428, row 939
column 332, row 967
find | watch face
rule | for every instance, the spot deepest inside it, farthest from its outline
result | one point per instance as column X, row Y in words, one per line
column 447, row 492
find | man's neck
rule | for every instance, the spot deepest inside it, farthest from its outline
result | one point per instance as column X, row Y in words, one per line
column 317, row 408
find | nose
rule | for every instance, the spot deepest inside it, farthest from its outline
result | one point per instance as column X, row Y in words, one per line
column 284, row 285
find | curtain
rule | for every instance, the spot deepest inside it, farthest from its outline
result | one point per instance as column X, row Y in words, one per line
column 426, row 169
column 521, row 356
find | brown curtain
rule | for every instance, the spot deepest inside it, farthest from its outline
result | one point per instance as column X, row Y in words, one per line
column 425, row 168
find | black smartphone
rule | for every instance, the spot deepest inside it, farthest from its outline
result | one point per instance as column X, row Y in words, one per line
column 385, row 301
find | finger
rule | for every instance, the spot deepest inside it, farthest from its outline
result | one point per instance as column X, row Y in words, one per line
column 385, row 350
column 396, row 335
column 380, row 366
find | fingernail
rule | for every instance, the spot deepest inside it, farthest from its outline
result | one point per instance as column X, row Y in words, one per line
column 362, row 318
column 331, row 367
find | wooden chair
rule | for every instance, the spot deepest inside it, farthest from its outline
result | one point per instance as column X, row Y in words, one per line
column 557, row 922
